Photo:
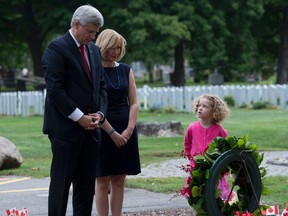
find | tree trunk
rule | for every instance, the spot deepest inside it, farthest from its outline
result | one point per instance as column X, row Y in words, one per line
column 34, row 38
column 35, row 46
column 149, row 66
column 177, row 77
column 282, row 64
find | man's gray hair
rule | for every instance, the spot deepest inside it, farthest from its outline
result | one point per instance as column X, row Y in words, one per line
column 87, row 14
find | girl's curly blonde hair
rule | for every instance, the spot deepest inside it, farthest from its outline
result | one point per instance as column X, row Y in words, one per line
column 220, row 109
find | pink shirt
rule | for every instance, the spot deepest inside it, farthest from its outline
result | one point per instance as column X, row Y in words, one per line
column 196, row 141
column 197, row 137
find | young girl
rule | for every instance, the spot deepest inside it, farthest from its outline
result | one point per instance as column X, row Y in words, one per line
column 210, row 110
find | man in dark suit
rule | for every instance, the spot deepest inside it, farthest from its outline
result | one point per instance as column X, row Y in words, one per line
column 75, row 105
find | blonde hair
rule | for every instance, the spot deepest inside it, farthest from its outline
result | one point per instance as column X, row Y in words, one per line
column 109, row 39
column 220, row 109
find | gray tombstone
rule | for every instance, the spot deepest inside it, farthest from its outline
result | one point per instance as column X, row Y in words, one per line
column 216, row 78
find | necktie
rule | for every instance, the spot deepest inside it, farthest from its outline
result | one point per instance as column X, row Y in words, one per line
column 84, row 59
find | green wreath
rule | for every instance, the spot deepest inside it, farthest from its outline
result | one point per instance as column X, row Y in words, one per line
column 233, row 157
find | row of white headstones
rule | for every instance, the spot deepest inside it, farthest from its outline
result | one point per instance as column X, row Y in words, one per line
column 178, row 98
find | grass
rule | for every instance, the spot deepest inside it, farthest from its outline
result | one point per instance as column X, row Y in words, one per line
column 26, row 134
column 266, row 128
column 278, row 191
column 276, row 184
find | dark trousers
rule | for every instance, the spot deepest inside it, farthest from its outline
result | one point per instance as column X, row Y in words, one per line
column 72, row 162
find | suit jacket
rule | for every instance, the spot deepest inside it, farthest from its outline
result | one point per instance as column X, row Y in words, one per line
column 69, row 86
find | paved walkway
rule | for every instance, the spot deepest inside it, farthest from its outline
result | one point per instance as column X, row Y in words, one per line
column 32, row 193
column 275, row 162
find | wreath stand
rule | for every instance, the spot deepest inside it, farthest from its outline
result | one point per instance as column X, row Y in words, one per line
column 247, row 179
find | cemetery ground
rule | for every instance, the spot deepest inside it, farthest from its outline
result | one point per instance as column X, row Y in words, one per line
column 266, row 128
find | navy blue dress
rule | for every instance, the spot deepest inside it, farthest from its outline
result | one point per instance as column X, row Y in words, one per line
column 113, row 160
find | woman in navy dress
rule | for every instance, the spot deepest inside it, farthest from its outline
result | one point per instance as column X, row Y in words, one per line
column 119, row 153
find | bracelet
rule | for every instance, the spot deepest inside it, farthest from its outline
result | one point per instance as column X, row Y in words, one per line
column 102, row 121
column 111, row 131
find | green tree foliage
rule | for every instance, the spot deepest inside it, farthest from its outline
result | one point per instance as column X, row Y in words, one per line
column 153, row 31
column 270, row 34
column 234, row 37
column 32, row 23
column 223, row 36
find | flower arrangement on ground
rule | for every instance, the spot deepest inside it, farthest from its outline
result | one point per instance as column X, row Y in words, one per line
column 207, row 188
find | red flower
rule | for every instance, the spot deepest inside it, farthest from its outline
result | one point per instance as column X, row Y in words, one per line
column 238, row 213
column 186, row 191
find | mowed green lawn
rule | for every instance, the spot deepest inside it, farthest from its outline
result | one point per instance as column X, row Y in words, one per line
column 266, row 128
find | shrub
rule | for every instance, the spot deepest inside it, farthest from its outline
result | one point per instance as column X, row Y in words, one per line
column 230, row 101
column 262, row 105
column 154, row 109
column 243, row 106
column 169, row 110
